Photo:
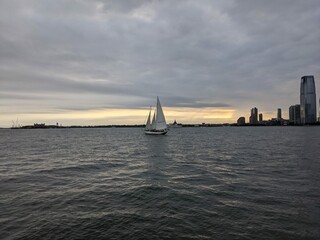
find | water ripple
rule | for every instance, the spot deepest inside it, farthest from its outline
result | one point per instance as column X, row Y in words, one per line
column 194, row 183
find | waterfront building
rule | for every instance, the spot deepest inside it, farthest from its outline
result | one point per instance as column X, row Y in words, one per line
column 241, row 121
column 254, row 116
column 279, row 117
column 294, row 114
column 260, row 118
column 308, row 111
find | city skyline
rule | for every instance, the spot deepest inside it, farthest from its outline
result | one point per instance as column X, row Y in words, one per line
column 103, row 62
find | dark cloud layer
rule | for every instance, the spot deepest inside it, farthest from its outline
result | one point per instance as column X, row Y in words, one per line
column 110, row 53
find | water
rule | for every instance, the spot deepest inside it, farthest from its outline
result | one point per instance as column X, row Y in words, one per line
column 194, row 183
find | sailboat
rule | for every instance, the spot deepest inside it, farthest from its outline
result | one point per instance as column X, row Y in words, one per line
column 158, row 125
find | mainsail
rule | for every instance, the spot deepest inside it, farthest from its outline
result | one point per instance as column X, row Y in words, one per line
column 160, row 119
column 153, row 123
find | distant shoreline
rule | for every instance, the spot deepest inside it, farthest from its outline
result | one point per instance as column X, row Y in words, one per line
column 142, row 126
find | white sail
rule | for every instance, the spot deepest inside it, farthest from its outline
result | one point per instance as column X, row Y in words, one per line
column 148, row 125
column 153, row 123
column 160, row 123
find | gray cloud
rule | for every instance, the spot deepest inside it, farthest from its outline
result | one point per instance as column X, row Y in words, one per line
column 111, row 53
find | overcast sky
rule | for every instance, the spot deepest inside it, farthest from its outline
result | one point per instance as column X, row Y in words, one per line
column 104, row 62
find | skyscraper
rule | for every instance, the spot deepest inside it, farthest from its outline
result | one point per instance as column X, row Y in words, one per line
column 279, row 117
column 254, row 116
column 260, row 118
column 308, row 110
column 294, row 114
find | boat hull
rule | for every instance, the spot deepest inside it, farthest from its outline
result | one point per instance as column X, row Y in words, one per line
column 148, row 132
column 175, row 126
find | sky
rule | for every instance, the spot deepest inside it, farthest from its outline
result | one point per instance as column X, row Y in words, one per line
column 98, row 62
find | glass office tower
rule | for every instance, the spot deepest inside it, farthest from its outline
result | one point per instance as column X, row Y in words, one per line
column 308, row 109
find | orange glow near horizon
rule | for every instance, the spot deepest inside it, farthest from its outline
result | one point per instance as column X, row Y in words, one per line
column 123, row 116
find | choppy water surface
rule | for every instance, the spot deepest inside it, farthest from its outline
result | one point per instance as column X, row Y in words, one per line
column 194, row 183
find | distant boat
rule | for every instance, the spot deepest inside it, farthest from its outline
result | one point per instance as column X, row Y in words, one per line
column 158, row 125
column 175, row 125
